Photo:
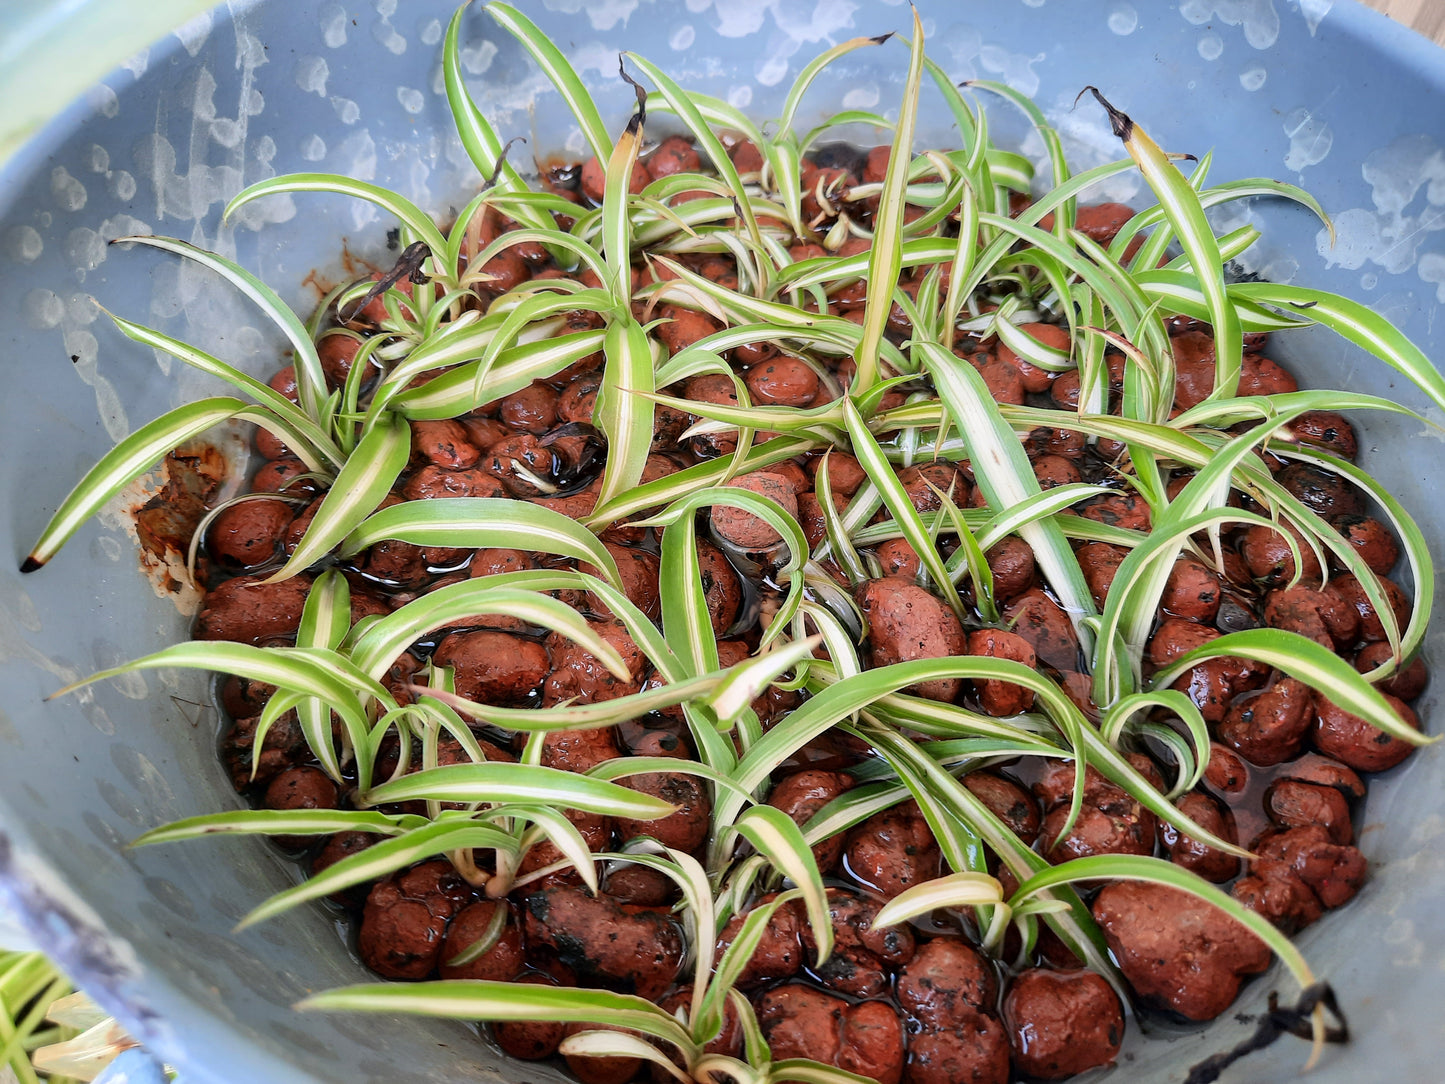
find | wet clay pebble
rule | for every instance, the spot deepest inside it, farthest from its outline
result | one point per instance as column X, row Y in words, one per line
column 742, row 528
column 924, row 484
column 1271, row 727
column 1320, row 490
column 1407, row 682
column 683, row 327
column 502, row 962
column 531, row 410
column 602, row 943
column 301, row 788
column 432, row 482
column 905, row 622
column 673, row 155
column 1100, row 563
column 493, row 667
column 596, row 832
column 801, row 1022
column 1042, row 622
column 1192, row 591
column 1372, row 540
column 784, row 381
column 1011, row 561
column 592, row 1069
column 1000, row 698
column 861, row 954
column 845, row 474
column 1127, row 510
column 893, row 850
column 1062, row 1022
column 1211, row 864
column 897, row 557
column 445, row 444
column 719, row 389
column 578, row 750
column 1354, row 741
column 1268, row 557
column 1291, row 803
column 1110, row 821
column 1322, row 616
column 282, row 749
column 779, row 954
column 1035, row 380
column 580, row 675
column 1008, row 801
column 509, row 458
column 1334, row 872
column 594, row 179
column 1226, row 773
column 1175, row 949
column 405, row 919
column 1328, row 430
column 946, row 983
column 1272, row 890
column 279, row 476
column 1102, row 222
column 720, row 585
column 801, row 795
column 1213, row 684
column 640, row 886
column 249, row 533
column 495, row 561
column 530, row 1040
column 683, row 830
column 1347, row 588
column 974, row 1050
column 639, row 572
column 339, row 846
column 248, row 611
column 1054, row 470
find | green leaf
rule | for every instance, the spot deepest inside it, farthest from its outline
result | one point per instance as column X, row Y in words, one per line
column 1357, row 323
column 310, row 379
column 409, row 214
column 483, row 999
column 325, row 621
column 559, row 72
column 124, row 463
column 1302, row 658
column 460, row 603
column 623, row 410
column 885, row 258
column 1002, row 471
column 480, row 522
column 1185, row 213
column 776, row 836
column 381, row 859
column 316, row 447
column 1139, row 868
column 520, row 783
column 476, row 133
column 279, row 822
column 956, row 890
column 360, row 486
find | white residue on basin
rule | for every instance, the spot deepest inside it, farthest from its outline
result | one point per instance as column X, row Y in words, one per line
column 311, row 73
column 1407, row 193
column 1123, row 19
column 1257, row 17
column 1310, row 139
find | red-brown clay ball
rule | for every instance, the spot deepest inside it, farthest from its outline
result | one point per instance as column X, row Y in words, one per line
column 1062, row 1022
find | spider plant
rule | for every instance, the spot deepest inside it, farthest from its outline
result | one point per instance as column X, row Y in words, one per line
column 441, row 351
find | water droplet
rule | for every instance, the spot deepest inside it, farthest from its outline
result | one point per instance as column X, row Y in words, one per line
column 1123, row 19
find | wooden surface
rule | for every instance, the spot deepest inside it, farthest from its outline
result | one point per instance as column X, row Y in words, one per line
column 1426, row 16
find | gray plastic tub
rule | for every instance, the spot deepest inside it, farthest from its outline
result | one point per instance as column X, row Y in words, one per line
column 1327, row 93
